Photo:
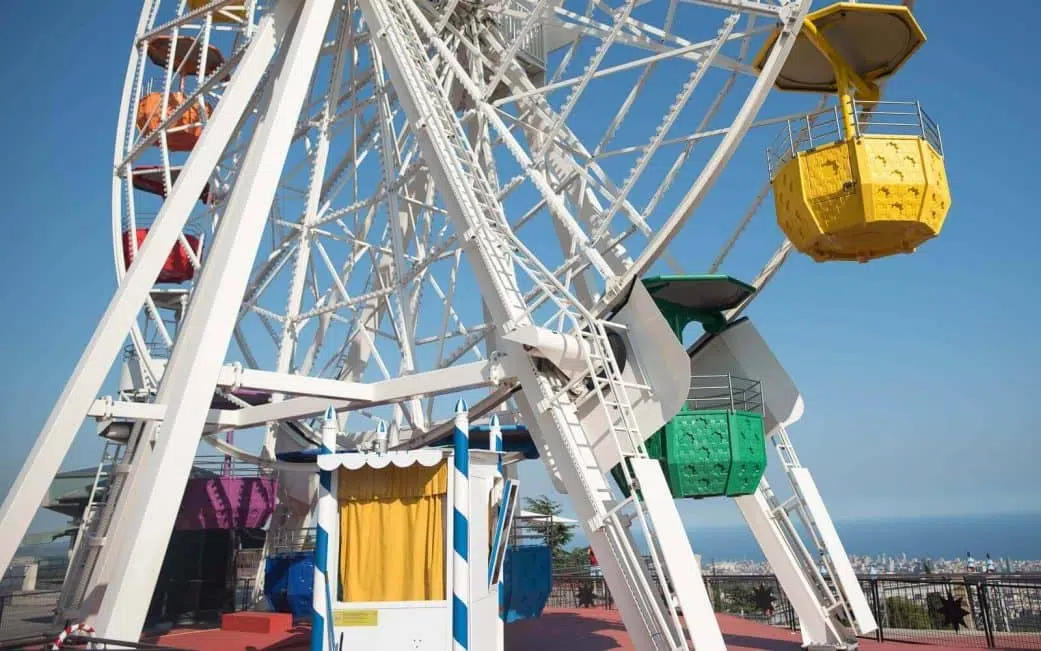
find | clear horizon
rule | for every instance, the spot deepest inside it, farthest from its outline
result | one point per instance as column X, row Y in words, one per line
column 1002, row 537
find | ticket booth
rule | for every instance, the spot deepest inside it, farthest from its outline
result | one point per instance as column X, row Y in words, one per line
column 398, row 541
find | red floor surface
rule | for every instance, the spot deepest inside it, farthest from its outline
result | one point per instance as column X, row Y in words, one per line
column 588, row 629
column 585, row 629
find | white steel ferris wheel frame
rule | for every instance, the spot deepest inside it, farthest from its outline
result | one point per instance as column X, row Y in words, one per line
column 618, row 265
column 283, row 48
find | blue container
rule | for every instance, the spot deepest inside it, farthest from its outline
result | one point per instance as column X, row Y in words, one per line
column 289, row 583
column 527, row 581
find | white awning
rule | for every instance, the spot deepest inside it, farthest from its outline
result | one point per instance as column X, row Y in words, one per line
column 399, row 458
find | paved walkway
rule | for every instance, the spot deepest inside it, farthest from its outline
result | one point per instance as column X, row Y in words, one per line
column 585, row 629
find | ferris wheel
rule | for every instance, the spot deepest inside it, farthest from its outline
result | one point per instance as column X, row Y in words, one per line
column 361, row 273
column 598, row 127
column 384, row 205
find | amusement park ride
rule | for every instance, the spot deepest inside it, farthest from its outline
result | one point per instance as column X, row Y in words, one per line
column 382, row 208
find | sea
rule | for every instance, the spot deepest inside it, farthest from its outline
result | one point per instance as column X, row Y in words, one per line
column 1013, row 536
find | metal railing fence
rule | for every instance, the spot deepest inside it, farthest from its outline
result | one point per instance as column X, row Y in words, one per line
column 971, row 610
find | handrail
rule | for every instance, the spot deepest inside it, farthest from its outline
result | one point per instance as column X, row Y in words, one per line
column 724, row 391
column 824, row 127
column 213, row 466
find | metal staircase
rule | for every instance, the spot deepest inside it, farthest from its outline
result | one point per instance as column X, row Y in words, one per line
column 116, row 459
column 650, row 617
column 90, row 536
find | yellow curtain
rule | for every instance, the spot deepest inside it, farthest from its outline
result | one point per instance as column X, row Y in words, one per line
column 392, row 542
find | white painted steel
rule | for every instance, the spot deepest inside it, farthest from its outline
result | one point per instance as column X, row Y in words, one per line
column 791, row 19
column 440, row 155
column 187, row 384
column 410, row 70
column 841, row 568
column 742, row 351
column 84, row 383
column 670, row 535
column 656, row 361
column 815, row 625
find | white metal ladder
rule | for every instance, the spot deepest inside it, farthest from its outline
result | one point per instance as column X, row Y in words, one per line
column 833, row 596
column 102, row 504
column 839, row 593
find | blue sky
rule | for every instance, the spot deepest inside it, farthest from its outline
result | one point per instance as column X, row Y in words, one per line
column 919, row 372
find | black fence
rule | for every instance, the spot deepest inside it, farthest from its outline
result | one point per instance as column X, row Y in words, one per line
column 974, row 610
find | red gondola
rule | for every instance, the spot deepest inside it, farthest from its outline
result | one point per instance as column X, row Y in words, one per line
column 178, row 266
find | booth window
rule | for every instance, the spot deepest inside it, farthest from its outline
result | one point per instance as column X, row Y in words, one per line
column 392, row 533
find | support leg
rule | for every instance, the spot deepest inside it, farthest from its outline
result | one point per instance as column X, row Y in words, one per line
column 817, row 628
column 83, row 386
column 189, row 380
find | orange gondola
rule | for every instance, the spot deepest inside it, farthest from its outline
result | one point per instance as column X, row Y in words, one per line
column 184, row 132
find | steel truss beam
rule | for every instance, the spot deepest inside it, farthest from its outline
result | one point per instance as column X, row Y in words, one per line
column 105, row 345
column 141, row 529
column 314, row 394
column 790, row 17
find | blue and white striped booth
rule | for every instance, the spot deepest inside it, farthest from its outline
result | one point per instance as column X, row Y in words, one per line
column 410, row 549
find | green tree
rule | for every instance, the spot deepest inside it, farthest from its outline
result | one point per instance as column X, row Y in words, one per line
column 716, row 597
column 736, row 598
column 904, row 613
column 575, row 560
column 556, row 534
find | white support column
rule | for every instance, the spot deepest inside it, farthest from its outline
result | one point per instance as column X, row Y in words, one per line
column 842, row 573
column 670, row 537
column 496, row 445
column 142, row 535
column 815, row 625
column 84, row 384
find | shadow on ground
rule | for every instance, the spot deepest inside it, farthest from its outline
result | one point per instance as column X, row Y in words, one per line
column 564, row 630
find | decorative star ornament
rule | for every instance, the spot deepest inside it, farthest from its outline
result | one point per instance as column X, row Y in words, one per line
column 585, row 596
column 763, row 597
column 953, row 612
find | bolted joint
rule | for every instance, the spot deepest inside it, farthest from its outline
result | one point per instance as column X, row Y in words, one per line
column 596, row 523
column 106, row 408
column 496, row 370
column 786, row 15
column 236, row 376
